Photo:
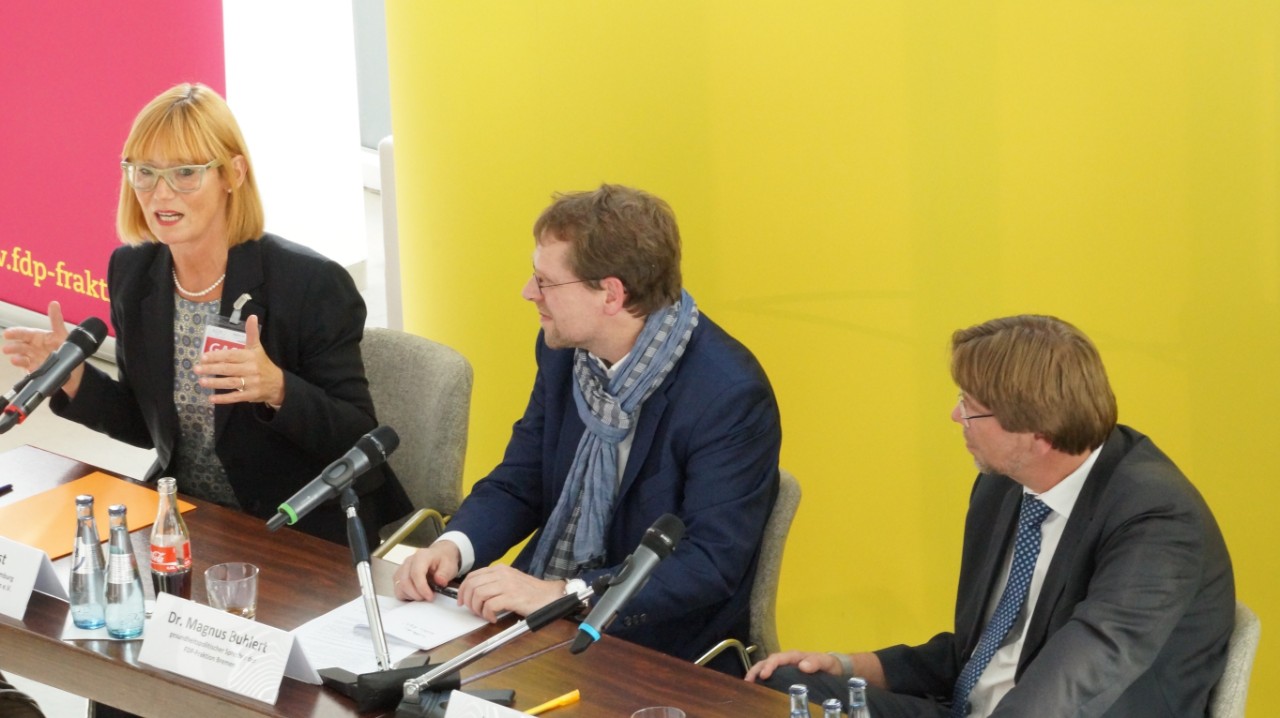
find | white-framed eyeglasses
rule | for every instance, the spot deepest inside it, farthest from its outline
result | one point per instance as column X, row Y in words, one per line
column 184, row 178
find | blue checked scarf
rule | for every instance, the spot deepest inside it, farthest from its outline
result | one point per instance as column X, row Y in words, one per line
column 575, row 532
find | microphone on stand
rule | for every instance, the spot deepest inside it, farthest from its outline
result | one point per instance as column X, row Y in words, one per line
column 428, row 694
column 658, row 543
column 369, row 452
column 34, row 388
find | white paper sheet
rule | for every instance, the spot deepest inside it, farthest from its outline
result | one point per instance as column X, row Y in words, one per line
column 399, row 553
column 428, row 624
column 334, row 641
column 462, row 705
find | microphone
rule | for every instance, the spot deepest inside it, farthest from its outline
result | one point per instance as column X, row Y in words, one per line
column 658, row 543
column 40, row 384
column 22, row 384
column 370, row 451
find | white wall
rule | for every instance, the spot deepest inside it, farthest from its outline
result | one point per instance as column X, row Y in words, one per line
column 291, row 82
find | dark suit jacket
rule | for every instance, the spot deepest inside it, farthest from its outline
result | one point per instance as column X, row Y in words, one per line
column 311, row 319
column 705, row 448
column 1136, row 608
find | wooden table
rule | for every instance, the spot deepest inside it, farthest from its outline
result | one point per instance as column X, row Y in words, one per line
column 302, row 577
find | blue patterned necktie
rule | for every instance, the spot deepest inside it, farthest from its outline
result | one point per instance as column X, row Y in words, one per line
column 1026, row 548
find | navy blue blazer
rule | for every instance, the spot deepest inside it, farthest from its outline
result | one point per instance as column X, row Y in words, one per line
column 705, row 449
column 1135, row 611
column 311, row 318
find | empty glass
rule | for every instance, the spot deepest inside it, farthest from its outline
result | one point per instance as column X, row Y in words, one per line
column 658, row 712
column 233, row 587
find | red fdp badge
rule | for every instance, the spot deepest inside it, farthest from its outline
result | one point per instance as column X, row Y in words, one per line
column 216, row 338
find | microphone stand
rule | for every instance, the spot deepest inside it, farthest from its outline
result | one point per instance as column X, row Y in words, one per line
column 360, row 556
column 425, row 695
column 381, row 688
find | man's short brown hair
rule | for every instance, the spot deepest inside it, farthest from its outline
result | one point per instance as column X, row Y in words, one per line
column 1037, row 374
column 621, row 232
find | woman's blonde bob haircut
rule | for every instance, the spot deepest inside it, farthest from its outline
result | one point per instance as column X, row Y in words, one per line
column 191, row 124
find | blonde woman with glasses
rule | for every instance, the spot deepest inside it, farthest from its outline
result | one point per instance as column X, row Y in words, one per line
column 238, row 352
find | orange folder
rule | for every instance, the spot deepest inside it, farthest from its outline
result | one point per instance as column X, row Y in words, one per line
column 47, row 521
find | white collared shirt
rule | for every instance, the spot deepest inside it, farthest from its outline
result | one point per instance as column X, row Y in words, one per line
column 998, row 678
column 468, row 552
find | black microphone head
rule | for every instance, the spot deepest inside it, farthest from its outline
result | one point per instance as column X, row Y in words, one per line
column 89, row 335
column 386, row 436
column 601, row 584
column 378, row 444
column 662, row 537
column 581, row 642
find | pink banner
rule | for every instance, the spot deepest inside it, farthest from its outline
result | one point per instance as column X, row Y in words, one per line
column 73, row 75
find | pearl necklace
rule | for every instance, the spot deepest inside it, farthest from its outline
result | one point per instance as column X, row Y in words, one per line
column 190, row 293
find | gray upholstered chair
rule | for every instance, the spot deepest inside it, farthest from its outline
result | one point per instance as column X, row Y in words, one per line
column 422, row 389
column 1228, row 697
column 764, row 591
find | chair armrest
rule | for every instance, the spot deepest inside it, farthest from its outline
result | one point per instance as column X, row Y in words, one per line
column 410, row 528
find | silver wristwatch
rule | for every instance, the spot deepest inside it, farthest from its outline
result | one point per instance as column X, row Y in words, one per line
column 846, row 664
column 574, row 586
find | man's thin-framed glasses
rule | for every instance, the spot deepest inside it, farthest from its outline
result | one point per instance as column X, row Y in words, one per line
column 184, row 178
column 965, row 416
column 542, row 287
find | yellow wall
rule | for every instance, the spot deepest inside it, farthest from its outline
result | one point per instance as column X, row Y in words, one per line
column 853, row 182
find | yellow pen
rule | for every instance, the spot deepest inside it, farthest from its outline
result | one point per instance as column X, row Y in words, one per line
column 565, row 700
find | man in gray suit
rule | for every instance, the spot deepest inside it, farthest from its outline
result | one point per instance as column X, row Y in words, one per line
column 1094, row 580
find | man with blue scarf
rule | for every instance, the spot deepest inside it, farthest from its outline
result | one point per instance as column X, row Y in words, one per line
column 642, row 406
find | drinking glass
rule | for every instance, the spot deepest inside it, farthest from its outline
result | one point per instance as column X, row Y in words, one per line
column 233, row 587
column 658, row 712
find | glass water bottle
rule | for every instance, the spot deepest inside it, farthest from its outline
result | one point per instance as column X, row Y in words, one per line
column 831, row 708
column 88, row 569
column 125, row 608
column 858, row 698
column 799, row 700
